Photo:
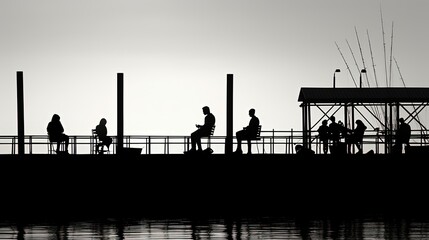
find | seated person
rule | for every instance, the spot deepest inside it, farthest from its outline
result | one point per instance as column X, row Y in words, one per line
column 101, row 132
column 202, row 131
column 56, row 133
column 248, row 133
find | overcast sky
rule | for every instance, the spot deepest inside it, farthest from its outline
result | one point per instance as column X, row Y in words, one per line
column 175, row 55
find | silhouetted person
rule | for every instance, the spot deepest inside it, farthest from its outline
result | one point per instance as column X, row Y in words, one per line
column 403, row 134
column 248, row 133
column 356, row 136
column 56, row 133
column 323, row 131
column 202, row 131
column 303, row 151
column 334, row 131
column 101, row 132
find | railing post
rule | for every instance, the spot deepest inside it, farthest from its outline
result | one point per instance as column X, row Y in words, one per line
column 30, row 147
column 274, row 142
column 148, row 148
column 74, row 150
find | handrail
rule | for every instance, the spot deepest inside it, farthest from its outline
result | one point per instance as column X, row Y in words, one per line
column 278, row 142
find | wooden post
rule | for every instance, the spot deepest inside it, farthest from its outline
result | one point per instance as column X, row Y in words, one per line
column 120, row 116
column 229, row 114
column 20, row 94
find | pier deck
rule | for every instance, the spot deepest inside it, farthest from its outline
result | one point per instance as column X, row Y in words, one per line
column 181, row 185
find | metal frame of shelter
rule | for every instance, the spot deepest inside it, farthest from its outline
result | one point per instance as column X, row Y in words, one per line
column 383, row 104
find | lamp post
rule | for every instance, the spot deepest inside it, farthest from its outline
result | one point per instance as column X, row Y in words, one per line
column 360, row 77
column 336, row 70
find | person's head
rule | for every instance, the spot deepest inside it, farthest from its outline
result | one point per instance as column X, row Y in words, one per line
column 401, row 120
column 252, row 112
column 332, row 118
column 325, row 122
column 55, row 118
column 103, row 121
column 298, row 148
column 206, row 110
column 359, row 122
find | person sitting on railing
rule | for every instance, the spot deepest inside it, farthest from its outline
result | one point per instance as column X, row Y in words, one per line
column 356, row 136
column 202, row 131
column 248, row 133
column 56, row 133
column 101, row 131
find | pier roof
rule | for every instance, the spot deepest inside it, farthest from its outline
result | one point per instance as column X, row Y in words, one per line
column 363, row 95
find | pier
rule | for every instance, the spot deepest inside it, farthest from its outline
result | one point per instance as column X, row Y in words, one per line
column 159, row 180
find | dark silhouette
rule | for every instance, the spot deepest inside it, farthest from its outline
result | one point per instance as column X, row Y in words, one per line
column 334, row 131
column 403, row 135
column 101, row 132
column 303, row 151
column 356, row 136
column 323, row 131
column 202, row 131
column 56, row 133
column 248, row 133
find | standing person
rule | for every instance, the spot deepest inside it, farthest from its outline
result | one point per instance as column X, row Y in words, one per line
column 323, row 131
column 403, row 134
column 248, row 133
column 334, row 132
column 356, row 136
column 202, row 131
column 56, row 132
column 101, row 131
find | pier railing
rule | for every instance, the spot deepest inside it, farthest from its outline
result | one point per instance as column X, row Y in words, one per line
column 271, row 142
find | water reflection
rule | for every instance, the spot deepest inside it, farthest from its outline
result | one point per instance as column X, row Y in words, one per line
column 225, row 228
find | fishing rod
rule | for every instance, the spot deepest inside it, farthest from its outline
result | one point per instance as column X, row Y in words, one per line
column 384, row 45
column 351, row 51
column 361, row 55
column 347, row 65
column 375, row 73
column 391, row 55
column 372, row 59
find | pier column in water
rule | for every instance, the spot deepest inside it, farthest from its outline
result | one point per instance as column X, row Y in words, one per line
column 20, row 94
column 229, row 113
column 120, row 131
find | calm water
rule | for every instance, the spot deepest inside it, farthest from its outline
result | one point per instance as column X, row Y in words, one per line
column 260, row 228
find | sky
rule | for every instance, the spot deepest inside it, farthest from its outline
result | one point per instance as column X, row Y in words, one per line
column 175, row 56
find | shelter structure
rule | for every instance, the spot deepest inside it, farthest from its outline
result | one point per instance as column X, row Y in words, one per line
column 379, row 108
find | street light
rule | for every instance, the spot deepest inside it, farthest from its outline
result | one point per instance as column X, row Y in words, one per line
column 360, row 77
column 336, row 70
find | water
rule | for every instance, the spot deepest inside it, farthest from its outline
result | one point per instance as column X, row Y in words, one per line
column 253, row 228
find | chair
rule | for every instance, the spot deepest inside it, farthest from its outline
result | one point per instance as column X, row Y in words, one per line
column 96, row 143
column 209, row 137
column 52, row 145
column 257, row 137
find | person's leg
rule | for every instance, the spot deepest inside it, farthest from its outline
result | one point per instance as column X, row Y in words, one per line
column 66, row 141
column 193, row 140
column 196, row 139
column 239, row 136
column 325, row 146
